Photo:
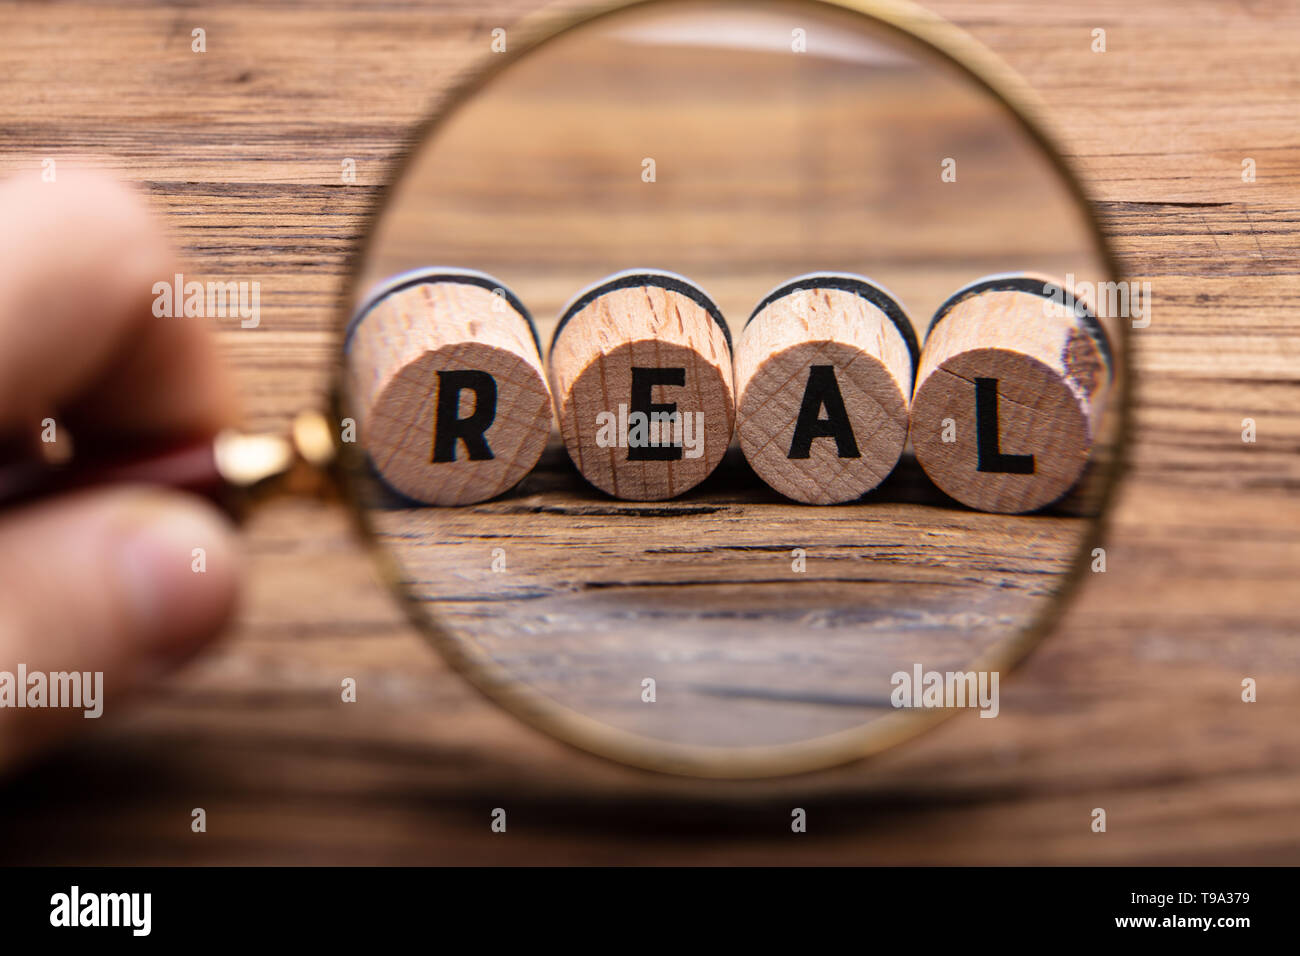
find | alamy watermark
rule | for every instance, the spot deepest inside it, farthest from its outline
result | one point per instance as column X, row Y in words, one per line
column 934, row 689
column 130, row 910
column 216, row 300
column 82, row 690
column 659, row 430
column 1121, row 300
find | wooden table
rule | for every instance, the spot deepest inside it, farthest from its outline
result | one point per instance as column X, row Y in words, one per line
column 1134, row 705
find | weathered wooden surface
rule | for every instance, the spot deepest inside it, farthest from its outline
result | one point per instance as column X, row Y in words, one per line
column 1133, row 705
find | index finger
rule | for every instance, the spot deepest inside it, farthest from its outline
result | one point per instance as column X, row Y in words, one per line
column 79, row 258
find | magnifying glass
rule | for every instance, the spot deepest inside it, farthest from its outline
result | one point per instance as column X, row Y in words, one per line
column 730, row 174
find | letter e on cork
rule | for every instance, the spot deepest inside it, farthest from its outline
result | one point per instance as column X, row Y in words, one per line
column 641, row 371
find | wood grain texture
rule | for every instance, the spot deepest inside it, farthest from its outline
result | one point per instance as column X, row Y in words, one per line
column 1133, row 705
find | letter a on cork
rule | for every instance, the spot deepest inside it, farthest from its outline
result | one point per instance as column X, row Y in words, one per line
column 641, row 373
column 445, row 373
column 823, row 376
column 1010, row 393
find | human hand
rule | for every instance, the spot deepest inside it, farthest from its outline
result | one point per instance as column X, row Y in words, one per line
column 99, row 581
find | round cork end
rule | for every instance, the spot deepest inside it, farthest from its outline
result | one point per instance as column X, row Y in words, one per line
column 1009, row 395
column 823, row 374
column 453, row 406
column 641, row 371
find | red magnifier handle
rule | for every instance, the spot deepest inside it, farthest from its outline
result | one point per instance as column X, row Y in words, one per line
column 223, row 468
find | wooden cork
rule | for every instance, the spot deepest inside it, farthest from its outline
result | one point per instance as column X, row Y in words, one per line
column 640, row 368
column 1010, row 392
column 824, row 371
column 445, row 375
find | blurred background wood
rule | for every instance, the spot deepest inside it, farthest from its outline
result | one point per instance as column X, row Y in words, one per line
column 1133, row 705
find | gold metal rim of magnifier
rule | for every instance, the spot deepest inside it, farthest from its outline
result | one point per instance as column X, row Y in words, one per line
column 725, row 762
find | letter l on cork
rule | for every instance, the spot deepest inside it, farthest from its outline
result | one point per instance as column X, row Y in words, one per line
column 1012, row 385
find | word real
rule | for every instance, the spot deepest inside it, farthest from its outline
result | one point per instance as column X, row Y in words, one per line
column 933, row 689
column 81, row 690
column 216, row 300
column 74, row 908
column 652, row 436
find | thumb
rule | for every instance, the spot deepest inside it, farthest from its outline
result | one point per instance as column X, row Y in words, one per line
column 123, row 582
